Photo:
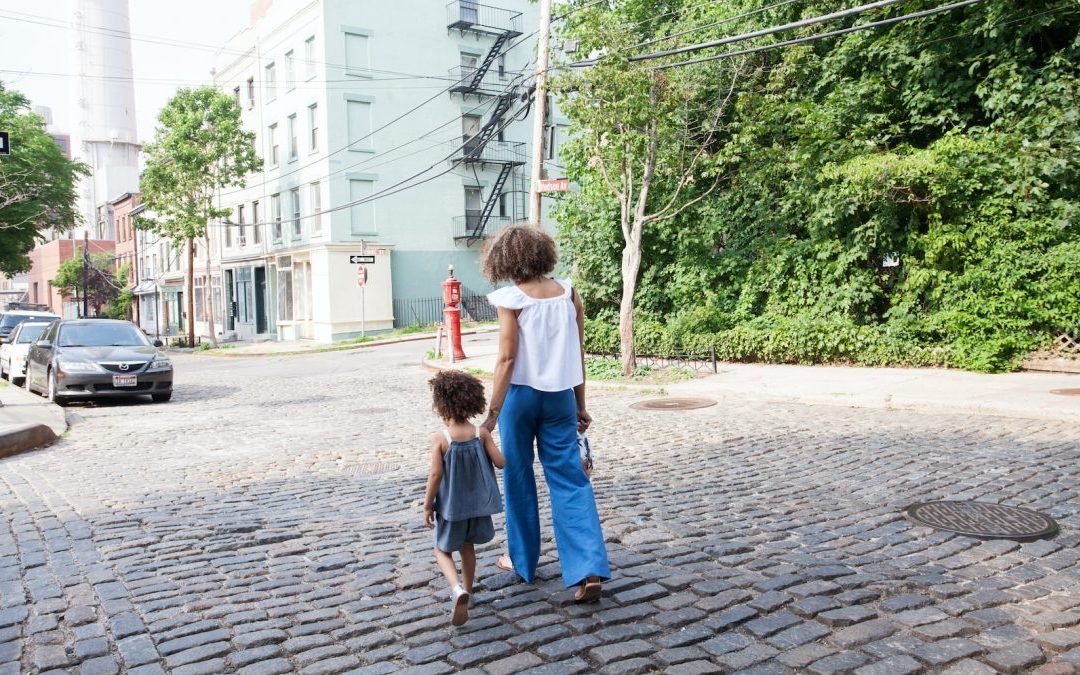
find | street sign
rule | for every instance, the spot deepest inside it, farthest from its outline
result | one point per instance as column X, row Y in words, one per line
column 554, row 185
column 362, row 259
column 361, row 275
column 5, row 148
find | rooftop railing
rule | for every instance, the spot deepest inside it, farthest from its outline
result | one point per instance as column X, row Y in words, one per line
column 471, row 15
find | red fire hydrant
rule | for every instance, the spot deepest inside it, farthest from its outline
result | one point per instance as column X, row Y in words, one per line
column 451, row 293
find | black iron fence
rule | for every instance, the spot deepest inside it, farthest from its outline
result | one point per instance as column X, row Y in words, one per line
column 429, row 311
column 696, row 362
column 471, row 15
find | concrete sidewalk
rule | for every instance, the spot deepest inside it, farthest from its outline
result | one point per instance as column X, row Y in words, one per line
column 1024, row 394
column 21, row 416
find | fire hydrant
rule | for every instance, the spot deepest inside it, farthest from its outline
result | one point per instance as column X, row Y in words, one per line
column 451, row 293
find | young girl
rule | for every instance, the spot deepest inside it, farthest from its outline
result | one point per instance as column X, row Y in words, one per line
column 461, row 490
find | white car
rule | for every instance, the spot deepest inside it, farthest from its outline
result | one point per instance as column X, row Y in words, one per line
column 13, row 351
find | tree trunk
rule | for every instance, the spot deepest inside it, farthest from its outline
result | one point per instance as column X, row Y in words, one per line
column 189, row 290
column 631, row 263
column 210, row 296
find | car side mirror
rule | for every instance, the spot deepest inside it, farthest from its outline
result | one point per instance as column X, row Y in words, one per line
column 159, row 343
column 43, row 343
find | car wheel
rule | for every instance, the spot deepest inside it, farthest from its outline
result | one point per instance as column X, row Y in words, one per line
column 161, row 398
column 26, row 379
column 53, row 398
column 3, row 375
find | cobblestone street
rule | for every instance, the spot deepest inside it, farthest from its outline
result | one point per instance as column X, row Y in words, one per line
column 268, row 520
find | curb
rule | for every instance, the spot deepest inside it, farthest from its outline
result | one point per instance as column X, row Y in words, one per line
column 25, row 437
column 344, row 348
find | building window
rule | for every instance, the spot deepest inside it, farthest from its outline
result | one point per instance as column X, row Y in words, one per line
column 504, row 204
column 290, row 71
column 362, row 215
column 275, row 215
column 313, row 125
column 357, row 56
column 294, row 202
column 271, row 136
column 502, row 65
column 256, row 226
column 251, row 92
column 242, row 235
column 315, row 201
column 309, row 57
column 359, row 113
column 271, row 82
column 293, row 143
column 228, row 231
column 236, row 96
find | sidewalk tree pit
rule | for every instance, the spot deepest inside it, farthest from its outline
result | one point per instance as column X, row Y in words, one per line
column 983, row 519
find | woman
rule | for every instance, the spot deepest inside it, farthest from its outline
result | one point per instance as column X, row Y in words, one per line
column 539, row 395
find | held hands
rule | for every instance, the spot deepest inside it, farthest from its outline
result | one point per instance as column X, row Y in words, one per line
column 490, row 421
column 429, row 517
column 584, row 420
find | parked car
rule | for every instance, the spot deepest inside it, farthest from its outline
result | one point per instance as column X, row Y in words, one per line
column 86, row 358
column 13, row 317
column 13, row 352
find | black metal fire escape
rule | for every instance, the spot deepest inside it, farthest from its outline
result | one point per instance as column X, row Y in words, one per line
column 482, row 148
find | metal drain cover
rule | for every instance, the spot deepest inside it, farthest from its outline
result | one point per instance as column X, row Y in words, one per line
column 1066, row 392
column 673, row 404
column 982, row 519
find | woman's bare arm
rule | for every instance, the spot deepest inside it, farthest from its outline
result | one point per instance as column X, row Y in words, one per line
column 504, row 364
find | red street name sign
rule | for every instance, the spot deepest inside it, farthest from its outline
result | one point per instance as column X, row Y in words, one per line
column 554, row 185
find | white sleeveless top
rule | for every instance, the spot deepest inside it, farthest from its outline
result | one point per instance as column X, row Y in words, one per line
column 548, row 350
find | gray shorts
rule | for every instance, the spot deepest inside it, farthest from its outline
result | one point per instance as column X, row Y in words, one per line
column 450, row 535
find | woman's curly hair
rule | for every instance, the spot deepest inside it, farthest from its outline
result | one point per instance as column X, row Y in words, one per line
column 519, row 253
column 457, row 396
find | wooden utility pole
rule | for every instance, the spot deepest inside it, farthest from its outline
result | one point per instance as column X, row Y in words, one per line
column 540, row 112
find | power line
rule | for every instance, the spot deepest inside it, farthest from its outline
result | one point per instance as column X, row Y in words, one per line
column 821, row 36
column 713, row 24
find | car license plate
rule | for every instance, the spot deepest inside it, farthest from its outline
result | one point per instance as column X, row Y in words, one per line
column 124, row 380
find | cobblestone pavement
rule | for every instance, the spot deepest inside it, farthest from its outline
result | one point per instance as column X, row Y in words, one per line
column 267, row 520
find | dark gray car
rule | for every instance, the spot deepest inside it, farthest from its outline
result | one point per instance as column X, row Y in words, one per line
column 87, row 358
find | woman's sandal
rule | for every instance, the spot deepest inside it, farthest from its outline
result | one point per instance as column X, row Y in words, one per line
column 504, row 563
column 589, row 591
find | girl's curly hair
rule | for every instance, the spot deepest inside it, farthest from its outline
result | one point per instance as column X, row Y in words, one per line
column 519, row 253
column 457, row 396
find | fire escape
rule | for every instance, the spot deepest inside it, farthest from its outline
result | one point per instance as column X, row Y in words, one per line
column 482, row 148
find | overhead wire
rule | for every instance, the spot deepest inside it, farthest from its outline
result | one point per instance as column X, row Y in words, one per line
column 821, row 36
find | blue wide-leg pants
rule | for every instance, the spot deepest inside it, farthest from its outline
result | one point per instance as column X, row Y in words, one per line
column 549, row 418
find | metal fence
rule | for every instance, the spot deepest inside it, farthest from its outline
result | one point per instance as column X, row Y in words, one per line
column 695, row 362
column 429, row 311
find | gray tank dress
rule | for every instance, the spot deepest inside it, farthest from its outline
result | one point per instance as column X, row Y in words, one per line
column 468, row 496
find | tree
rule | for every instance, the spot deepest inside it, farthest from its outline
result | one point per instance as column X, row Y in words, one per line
column 199, row 147
column 650, row 136
column 103, row 285
column 37, row 183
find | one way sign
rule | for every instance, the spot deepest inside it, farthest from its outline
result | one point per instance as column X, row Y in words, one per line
column 362, row 259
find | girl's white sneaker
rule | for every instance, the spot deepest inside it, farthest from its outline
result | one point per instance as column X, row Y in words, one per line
column 460, row 600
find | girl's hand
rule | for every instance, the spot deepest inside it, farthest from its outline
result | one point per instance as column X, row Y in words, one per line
column 584, row 420
column 429, row 518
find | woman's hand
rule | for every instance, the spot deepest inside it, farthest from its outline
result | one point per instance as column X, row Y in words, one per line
column 584, row 420
column 489, row 422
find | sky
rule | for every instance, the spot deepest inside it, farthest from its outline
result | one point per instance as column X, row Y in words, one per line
column 40, row 55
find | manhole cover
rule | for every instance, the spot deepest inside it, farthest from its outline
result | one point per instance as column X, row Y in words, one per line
column 1066, row 392
column 673, row 404
column 373, row 468
column 980, row 519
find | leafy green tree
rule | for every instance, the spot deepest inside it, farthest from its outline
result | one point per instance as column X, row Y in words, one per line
column 897, row 195
column 649, row 138
column 103, row 285
column 199, row 147
column 37, row 183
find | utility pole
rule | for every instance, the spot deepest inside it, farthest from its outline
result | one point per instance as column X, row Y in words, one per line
column 540, row 112
column 85, row 275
